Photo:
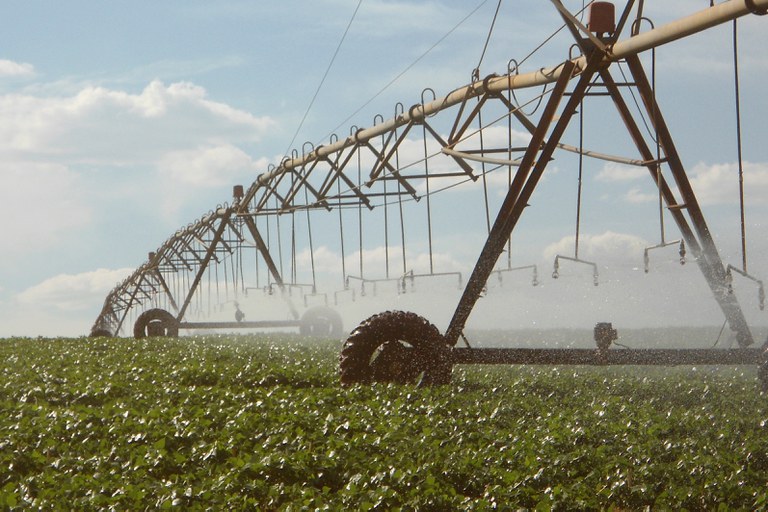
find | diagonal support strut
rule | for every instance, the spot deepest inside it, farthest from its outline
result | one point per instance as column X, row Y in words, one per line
column 520, row 191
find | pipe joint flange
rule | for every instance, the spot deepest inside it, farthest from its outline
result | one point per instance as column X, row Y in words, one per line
column 754, row 9
column 487, row 80
column 412, row 113
column 356, row 136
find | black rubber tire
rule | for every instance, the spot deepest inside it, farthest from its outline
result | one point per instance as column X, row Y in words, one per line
column 428, row 363
column 321, row 322
column 762, row 376
column 101, row 333
column 156, row 322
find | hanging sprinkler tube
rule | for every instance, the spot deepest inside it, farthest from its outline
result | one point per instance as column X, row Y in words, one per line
column 647, row 259
column 697, row 22
column 534, row 278
column 556, row 271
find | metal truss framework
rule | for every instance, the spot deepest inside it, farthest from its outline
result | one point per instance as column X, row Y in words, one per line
column 366, row 169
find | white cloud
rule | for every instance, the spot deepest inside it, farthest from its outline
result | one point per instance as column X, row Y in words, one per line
column 495, row 137
column 45, row 201
column 326, row 260
column 636, row 196
column 374, row 261
column 600, row 249
column 79, row 292
column 442, row 262
column 613, row 172
column 11, row 68
column 192, row 176
column 712, row 183
column 173, row 129
column 210, row 166
column 718, row 183
column 99, row 125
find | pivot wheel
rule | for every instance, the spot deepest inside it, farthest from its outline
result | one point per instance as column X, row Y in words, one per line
column 396, row 346
column 101, row 333
column 155, row 322
column 321, row 322
column 762, row 375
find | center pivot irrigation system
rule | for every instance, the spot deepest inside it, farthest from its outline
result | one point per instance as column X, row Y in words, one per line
column 264, row 244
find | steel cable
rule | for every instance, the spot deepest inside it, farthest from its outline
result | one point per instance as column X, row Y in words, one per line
column 739, row 146
column 407, row 68
column 322, row 81
column 488, row 38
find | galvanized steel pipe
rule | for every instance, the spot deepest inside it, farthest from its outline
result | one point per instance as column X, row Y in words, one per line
column 697, row 22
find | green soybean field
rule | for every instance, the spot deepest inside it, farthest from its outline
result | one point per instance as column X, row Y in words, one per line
column 260, row 422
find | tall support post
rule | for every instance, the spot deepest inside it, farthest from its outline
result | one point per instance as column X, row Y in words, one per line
column 128, row 306
column 528, row 175
column 108, row 319
column 262, row 247
column 166, row 289
column 651, row 160
column 155, row 272
column 204, row 264
column 708, row 258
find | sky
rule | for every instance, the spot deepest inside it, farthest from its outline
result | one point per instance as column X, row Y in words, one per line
column 124, row 121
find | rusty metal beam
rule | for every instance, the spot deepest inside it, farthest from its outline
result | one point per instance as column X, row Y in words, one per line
column 302, row 182
column 204, row 265
column 518, row 194
column 578, row 30
column 129, row 304
column 457, row 132
column 262, row 247
column 387, row 154
column 339, row 173
column 240, row 325
column 709, row 258
column 264, row 250
column 660, row 357
column 333, row 173
column 647, row 155
column 166, row 289
column 697, row 22
column 396, row 174
column 464, row 165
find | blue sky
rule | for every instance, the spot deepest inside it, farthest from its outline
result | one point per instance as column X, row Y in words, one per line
column 123, row 121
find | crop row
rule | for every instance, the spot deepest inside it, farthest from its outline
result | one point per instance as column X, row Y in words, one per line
column 261, row 423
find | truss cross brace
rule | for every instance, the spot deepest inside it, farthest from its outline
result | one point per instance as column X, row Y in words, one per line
column 702, row 244
column 262, row 247
column 204, row 264
column 519, row 192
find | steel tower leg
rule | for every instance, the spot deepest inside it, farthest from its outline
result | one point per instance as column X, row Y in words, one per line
column 700, row 241
column 204, row 264
column 528, row 175
column 262, row 247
